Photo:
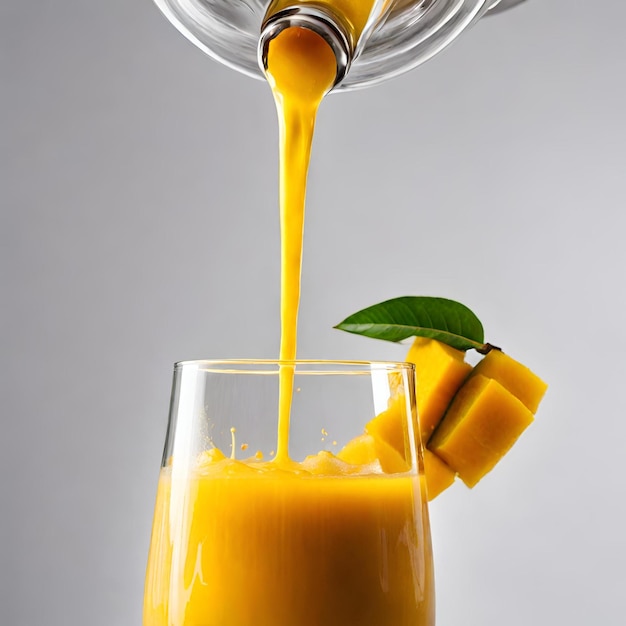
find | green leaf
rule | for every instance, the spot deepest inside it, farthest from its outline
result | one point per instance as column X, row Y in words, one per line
column 419, row 316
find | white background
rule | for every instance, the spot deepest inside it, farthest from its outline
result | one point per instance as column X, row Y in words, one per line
column 139, row 226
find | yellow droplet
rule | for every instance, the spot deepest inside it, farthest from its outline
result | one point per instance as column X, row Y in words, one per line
column 324, row 432
column 244, row 446
column 258, row 455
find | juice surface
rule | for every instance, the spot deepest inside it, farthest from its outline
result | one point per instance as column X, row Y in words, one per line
column 239, row 545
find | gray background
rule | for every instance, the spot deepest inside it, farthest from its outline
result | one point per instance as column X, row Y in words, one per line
column 139, row 226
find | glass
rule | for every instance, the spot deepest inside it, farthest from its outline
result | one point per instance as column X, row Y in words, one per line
column 328, row 536
column 399, row 34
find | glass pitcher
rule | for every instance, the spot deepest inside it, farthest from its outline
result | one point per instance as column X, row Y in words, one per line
column 385, row 39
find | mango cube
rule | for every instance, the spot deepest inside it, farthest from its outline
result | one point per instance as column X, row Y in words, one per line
column 438, row 475
column 514, row 376
column 389, row 426
column 480, row 426
column 440, row 371
column 365, row 449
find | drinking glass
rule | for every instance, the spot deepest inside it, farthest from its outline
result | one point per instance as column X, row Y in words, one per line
column 333, row 530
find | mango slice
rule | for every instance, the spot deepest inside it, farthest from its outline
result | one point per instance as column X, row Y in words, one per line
column 440, row 371
column 365, row 449
column 388, row 426
column 480, row 426
column 514, row 376
column 438, row 475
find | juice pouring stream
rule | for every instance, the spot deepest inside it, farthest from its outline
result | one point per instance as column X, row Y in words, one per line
column 301, row 69
column 305, row 51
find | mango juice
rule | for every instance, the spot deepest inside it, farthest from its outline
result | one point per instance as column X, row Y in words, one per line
column 239, row 544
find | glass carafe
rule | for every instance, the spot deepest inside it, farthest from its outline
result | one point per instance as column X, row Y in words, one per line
column 397, row 36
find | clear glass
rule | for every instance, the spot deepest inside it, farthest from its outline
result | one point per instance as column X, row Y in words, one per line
column 241, row 538
column 401, row 35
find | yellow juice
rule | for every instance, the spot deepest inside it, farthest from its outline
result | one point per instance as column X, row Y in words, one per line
column 301, row 70
column 239, row 545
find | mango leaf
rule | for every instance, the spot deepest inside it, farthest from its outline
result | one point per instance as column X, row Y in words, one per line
column 419, row 316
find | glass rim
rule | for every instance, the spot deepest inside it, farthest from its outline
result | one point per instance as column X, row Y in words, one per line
column 301, row 366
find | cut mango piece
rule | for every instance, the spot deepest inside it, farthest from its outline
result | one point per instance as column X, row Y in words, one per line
column 514, row 376
column 482, row 423
column 438, row 475
column 440, row 371
column 388, row 426
column 365, row 449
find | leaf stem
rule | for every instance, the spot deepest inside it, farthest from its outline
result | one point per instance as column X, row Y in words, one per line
column 487, row 347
